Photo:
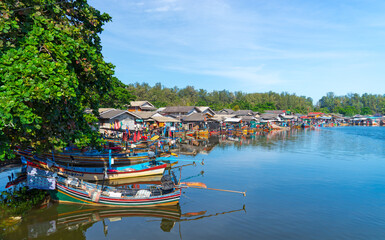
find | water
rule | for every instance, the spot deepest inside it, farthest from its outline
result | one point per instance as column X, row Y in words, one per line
column 321, row 184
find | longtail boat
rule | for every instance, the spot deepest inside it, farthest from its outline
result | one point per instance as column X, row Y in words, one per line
column 72, row 190
column 86, row 159
column 153, row 179
column 101, row 173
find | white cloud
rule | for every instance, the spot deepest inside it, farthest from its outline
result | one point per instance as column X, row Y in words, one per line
column 274, row 43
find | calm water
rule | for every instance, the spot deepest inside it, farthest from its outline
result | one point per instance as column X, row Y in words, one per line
column 322, row 184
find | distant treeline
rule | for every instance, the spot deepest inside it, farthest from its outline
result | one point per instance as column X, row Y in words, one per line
column 161, row 96
column 352, row 103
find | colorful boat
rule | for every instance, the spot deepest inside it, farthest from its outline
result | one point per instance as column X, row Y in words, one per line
column 72, row 190
column 101, row 173
column 86, row 159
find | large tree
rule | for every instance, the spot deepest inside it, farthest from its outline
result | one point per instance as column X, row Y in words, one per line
column 51, row 69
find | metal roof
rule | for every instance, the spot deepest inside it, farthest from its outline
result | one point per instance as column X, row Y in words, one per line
column 113, row 113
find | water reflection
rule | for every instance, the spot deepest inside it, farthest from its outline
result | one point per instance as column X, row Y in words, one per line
column 268, row 140
column 72, row 221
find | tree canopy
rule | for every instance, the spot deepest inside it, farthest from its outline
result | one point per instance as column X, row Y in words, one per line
column 353, row 103
column 51, row 69
column 162, row 96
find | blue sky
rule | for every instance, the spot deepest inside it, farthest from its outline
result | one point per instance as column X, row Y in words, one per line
column 304, row 47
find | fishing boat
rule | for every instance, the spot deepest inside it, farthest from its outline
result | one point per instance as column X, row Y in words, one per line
column 153, row 179
column 87, row 159
column 101, row 173
column 73, row 190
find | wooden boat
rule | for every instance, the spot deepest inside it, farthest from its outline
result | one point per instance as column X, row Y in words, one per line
column 86, row 159
column 72, row 190
column 101, row 173
column 153, row 179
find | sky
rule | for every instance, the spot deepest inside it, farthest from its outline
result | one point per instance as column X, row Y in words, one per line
column 307, row 47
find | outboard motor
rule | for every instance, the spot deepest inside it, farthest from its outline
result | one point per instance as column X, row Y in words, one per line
column 167, row 184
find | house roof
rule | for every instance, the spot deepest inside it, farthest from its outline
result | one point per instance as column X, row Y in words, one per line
column 202, row 109
column 269, row 116
column 102, row 110
column 275, row 111
column 222, row 117
column 290, row 117
column 139, row 103
column 226, row 111
column 233, row 120
column 113, row 113
column 144, row 115
column 195, row 117
column 160, row 118
column 244, row 113
column 208, row 109
column 142, row 105
column 180, row 109
column 160, row 109
column 248, row 118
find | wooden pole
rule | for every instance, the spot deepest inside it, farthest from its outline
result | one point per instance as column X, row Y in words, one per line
column 221, row 190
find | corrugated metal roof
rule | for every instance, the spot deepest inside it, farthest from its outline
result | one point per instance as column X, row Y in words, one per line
column 233, row 120
column 113, row 113
column 144, row 115
column 222, row 117
column 269, row 116
column 139, row 103
column 164, row 119
column 179, row 109
column 195, row 117
column 244, row 113
column 226, row 111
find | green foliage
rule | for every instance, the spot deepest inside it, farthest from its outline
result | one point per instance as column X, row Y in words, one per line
column 119, row 96
column 261, row 107
column 20, row 201
column 353, row 103
column 51, row 69
column 161, row 96
column 366, row 111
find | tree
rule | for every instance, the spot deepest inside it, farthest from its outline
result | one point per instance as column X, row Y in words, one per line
column 366, row 111
column 51, row 69
column 119, row 96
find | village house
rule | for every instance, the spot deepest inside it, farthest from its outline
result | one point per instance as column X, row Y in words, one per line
column 180, row 111
column 141, row 106
column 270, row 117
column 278, row 112
column 155, row 119
column 115, row 119
column 207, row 110
column 240, row 113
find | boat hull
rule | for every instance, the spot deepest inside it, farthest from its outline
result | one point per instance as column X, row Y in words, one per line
column 97, row 174
column 65, row 194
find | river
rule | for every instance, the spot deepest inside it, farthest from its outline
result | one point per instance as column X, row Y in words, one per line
column 327, row 183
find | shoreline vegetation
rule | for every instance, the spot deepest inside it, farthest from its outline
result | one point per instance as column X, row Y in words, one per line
column 161, row 96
